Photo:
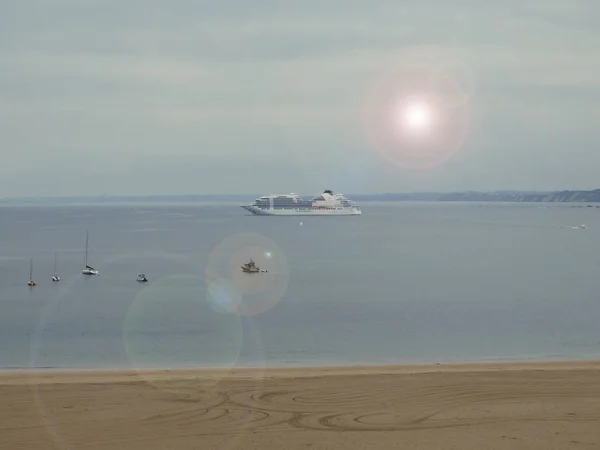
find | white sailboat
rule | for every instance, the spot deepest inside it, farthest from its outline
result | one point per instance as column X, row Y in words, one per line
column 89, row 270
column 55, row 277
column 31, row 282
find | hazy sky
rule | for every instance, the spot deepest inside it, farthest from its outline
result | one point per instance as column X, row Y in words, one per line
column 189, row 97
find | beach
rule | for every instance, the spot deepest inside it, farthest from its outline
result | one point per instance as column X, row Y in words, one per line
column 553, row 405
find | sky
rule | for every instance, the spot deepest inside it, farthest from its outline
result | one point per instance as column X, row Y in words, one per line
column 136, row 97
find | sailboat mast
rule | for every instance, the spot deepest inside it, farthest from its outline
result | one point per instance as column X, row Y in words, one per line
column 54, row 263
column 87, row 238
column 30, row 269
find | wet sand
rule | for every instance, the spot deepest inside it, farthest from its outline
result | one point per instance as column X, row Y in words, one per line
column 473, row 406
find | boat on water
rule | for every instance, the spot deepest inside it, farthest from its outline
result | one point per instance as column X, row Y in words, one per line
column 55, row 277
column 31, row 283
column 141, row 278
column 326, row 204
column 251, row 267
column 89, row 270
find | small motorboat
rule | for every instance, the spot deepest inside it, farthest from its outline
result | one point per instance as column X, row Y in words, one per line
column 251, row 267
column 141, row 278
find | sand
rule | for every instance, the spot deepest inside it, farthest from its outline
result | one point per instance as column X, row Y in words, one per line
column 480, row 406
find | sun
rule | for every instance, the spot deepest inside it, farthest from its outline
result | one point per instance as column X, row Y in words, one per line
column 417, row 115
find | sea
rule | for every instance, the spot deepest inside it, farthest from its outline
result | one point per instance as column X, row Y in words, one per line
column 404, row 283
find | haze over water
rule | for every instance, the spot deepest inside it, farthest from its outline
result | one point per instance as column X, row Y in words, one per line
column 405, row 282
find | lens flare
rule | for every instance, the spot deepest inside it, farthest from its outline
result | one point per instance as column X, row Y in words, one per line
column 174, row 320
column 258, row 292
column 68, row 301
column 224, row 296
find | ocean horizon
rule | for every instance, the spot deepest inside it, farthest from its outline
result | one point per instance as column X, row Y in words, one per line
column 587, row 197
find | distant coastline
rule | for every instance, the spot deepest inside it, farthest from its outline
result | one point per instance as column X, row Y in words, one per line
column 566, row 196
column 494, row 196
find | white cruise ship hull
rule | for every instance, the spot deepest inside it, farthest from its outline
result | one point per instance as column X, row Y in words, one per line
column 302, row 212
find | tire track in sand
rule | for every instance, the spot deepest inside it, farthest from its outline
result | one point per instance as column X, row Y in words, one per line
column 350, row 402
column 399, row 402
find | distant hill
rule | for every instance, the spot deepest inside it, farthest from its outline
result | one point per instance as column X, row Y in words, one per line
column 467, row 196
column 498, row 196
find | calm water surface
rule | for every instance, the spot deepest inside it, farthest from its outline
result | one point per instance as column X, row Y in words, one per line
column 406, row 282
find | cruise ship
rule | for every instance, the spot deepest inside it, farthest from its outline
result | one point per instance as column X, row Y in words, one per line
column 326, row 204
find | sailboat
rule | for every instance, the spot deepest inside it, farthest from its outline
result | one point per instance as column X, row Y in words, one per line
column 55, row 277
column 89, row 270
column 31, row 282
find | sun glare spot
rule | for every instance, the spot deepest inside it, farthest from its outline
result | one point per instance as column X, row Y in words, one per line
column 417, row 115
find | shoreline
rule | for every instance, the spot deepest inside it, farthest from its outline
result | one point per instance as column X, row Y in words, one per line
column 54, row 376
